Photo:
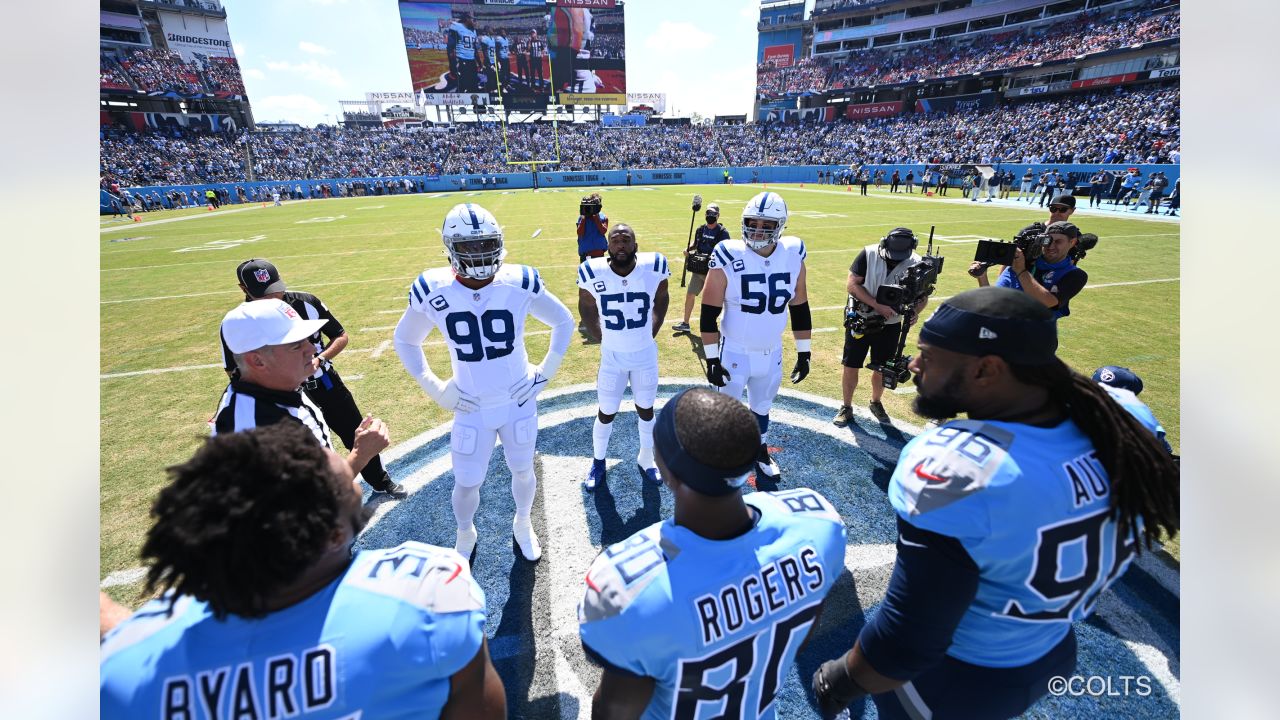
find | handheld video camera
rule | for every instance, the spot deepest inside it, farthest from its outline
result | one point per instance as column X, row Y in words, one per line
column 859, row 319
column 915, row 285
column 1031, row 241
column 590, row 205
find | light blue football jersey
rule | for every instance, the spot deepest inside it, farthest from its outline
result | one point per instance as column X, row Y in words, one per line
column 380, row 641
column 1031, row 506
column 716, row 623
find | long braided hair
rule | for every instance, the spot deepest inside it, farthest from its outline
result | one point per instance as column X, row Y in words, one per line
column 1144, row 476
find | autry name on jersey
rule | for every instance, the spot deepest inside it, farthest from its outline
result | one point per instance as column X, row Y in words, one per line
column 772, row 590
column 283, row 686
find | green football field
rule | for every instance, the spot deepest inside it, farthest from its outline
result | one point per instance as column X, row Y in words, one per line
column 166, row 285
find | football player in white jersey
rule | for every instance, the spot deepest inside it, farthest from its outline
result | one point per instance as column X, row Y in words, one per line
column 480, row 304
column 756, row 281
column 629, row 288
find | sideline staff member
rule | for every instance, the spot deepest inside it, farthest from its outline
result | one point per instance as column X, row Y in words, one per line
column 266, row 612
column 876, row 265
column 1011, row 523
column 260, row 280
column 271, row 346
column 713, row 575
column 1053, row 279
column 705, row 239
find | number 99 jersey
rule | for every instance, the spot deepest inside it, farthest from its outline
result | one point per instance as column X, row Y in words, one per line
column 1031, row 506
column 625, row 303
column 716, row 623
column 484, row 328
column 758, row 290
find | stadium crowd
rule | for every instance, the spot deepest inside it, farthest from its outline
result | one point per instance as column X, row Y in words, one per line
column 1068, row 37
column 153, row 70
column 1122, row 125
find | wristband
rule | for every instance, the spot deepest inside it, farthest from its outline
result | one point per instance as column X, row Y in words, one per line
column 711, row 352
column 802, row 345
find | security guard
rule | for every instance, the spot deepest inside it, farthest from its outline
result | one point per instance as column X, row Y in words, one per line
column 260, row 280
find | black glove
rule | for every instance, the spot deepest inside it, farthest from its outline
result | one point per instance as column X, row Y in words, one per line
column 716, row 374
column 833, row 688
column 801, row 370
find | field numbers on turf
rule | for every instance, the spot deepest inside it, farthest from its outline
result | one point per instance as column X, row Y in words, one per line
column 326, row 218
column 222, row 244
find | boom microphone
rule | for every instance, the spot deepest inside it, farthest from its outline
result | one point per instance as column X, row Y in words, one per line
column 697, row 203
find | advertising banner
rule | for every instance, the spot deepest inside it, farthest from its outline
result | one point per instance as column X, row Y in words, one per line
column 1166, row 72
column 873, row 110
column 1106, row 80
column 972, row 101
column 657, row 102
column 586, row 42
column 427, row 98
column 390, row 98
column 779, row 55
column 196, row 36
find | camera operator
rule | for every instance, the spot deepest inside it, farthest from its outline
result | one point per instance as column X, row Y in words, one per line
column 593, row 226
column 1053, row 277
column 881, row 264
column 697, row 258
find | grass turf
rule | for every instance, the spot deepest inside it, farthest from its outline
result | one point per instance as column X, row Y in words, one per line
column 166, row 286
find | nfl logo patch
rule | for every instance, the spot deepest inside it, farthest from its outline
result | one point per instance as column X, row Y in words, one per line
column 475, row 296
column 289, row 312
column 261, row 276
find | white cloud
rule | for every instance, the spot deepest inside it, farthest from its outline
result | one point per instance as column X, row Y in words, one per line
column 302, row 109
column 312, row 70
column 678, row 36
column 254, row 73
column 314, row 49
column 238, row 49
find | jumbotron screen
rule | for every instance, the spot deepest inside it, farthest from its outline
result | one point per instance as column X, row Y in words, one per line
column 520, row 55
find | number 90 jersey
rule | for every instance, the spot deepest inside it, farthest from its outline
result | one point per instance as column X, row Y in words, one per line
column 757, row 290
column 716, row 623
column 1031, row 506
column 625, row 303
column 483, row 329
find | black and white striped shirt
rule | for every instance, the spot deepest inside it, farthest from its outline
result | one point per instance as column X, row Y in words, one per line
column 245, row 406
column 309, row 307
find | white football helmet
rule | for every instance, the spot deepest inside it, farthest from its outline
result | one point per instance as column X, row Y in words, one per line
column 474, row 241
column 770, row 209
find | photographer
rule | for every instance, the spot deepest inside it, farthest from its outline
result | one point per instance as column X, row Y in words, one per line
column 697, row 257
column 1053, row 279
column 593, row 225
column 881, row 264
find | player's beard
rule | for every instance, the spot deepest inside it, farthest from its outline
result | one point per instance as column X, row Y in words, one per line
column 942, row 405
column 358, row 523
column 622, row 261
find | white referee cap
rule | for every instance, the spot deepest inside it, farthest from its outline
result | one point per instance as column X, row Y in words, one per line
column 259, row 323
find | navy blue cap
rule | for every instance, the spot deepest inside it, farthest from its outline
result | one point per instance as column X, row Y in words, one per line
column 994, row 321
column 1118, row 377
column 697, row 475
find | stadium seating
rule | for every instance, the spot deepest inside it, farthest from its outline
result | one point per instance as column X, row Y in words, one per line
column 1122, row 125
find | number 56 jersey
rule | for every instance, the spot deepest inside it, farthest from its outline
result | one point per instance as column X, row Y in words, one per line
column 716, row 623
column 625, row 303
column 758, row 290
column 484, row 328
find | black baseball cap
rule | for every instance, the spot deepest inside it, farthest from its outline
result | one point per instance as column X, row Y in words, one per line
column 259, row 277
column 1064, row 227
column 899, row 243
column 1064, row 199
column 1120, row 377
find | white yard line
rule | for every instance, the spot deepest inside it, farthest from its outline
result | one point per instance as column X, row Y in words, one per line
column 157, row 371
column 193, row 216
column 382, row 347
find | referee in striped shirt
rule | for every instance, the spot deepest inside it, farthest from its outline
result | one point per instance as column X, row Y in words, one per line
column 324, row 388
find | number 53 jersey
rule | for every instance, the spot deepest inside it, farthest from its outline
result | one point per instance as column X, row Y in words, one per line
column 1031, row 506
column 716, row 623
column 625, row 303
column 758, row 290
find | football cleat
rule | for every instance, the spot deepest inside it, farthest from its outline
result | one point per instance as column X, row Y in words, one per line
column 650, row 474
column 595, row 475
column 526, row 539
column 765, row 464
column 466, row 542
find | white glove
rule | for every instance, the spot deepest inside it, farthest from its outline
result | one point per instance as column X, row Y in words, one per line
column 536, row 379
column 448, row 396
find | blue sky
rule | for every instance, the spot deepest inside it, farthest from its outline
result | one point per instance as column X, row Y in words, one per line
column 300, row 57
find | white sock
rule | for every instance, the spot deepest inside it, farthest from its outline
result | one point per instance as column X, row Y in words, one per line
column 600, row 433
column 524, row 485
column 764, row 438
column 645, row 458
column 465, row 502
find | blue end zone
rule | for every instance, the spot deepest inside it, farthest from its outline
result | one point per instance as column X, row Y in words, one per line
column 850, row 466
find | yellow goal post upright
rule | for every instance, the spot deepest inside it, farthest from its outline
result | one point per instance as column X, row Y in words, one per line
column 506, row 147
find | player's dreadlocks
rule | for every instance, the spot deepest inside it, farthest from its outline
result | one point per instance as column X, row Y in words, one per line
column 716, row 429
column 1143, row 475
column 243, row 518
